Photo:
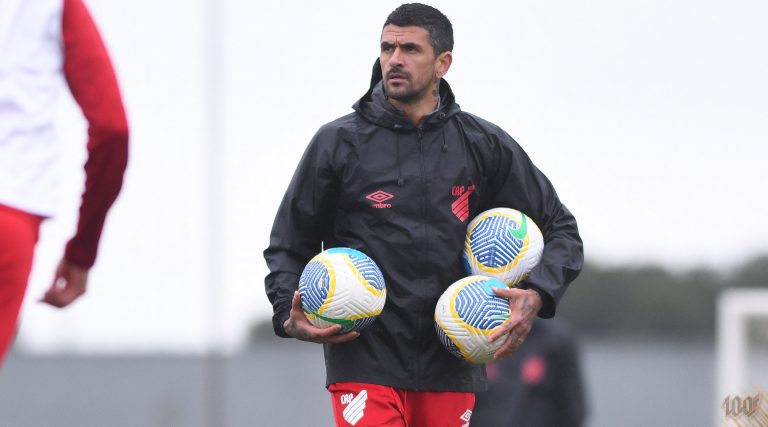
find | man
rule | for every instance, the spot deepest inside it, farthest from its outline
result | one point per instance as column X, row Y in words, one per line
column 540, row 385
column 409, row 141
column 43, row 44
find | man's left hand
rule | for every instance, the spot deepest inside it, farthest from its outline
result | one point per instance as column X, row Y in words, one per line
column 524, row 305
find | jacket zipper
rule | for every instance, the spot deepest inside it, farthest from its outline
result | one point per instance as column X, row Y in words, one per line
column 419, row 327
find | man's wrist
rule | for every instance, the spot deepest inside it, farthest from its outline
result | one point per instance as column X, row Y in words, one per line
column 535, row 295
column 538, row 298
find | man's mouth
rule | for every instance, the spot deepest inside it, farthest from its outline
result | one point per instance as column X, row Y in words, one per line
column 396, row 76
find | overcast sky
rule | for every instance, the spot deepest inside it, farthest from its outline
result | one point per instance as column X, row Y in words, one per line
column 649, row 117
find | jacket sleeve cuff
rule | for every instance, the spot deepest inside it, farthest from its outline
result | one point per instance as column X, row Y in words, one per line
column 278, row 319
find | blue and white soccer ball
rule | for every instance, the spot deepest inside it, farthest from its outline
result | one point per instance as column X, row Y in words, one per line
column 342, row 286
column 467, row 313
column 504, row 244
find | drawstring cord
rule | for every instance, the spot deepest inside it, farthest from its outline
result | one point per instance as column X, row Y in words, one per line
column 400, row 180
column 445, row 145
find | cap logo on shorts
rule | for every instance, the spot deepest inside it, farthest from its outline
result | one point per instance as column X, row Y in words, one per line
column 355, row 406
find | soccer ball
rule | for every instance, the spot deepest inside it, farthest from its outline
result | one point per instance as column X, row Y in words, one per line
column 342, row 286
column 504, row 244
column 467, row 313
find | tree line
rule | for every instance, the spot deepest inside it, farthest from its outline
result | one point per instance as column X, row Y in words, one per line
column 651, row 300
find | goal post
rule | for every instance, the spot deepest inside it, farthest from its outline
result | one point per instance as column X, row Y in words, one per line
column 735, row 309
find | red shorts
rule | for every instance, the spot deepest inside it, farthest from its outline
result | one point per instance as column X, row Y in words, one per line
column 18, row 236
column 371, row 405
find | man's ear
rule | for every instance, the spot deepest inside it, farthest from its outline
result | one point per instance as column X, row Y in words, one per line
column 443, row 61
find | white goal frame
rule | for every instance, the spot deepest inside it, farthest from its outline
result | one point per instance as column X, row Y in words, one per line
column 735, row 308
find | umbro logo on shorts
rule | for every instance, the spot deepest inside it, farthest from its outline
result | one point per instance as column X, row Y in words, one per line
column 355, row 406
column 465, row 417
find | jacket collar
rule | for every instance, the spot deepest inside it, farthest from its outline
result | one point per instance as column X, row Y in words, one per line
column 376, row 108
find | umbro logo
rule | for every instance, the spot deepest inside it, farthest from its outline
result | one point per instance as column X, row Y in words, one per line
column 466, row 416
column 380, row 197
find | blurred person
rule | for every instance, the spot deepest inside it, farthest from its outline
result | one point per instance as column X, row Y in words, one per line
column 539, row 385
column 408, row 138
column 43, row 45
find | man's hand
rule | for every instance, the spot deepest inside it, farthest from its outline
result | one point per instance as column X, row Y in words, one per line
column 524, row 304
column 298, row 326
column 69, row 282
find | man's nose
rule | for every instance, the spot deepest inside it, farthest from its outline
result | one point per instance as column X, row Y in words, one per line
column 397, row 58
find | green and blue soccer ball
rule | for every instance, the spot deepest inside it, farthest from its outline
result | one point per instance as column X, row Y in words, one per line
column 467, row 313
column 502, row 243
column 342, row 286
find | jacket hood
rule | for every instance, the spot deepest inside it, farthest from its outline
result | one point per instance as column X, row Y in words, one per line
column 376, row 108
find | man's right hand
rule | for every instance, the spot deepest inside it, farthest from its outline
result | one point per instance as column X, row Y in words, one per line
column 299, row 327
column 69, row 283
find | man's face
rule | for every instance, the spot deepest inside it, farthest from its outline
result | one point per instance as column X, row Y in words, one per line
column 408, row 63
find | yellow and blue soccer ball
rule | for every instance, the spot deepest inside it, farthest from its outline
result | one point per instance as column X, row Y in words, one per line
column 504, row 244
column 467, row 313
column 342, row 286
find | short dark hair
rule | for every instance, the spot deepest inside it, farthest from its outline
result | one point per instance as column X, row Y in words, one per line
column 421, row 15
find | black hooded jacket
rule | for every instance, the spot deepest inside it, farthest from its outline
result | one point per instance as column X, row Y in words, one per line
column 404, row 194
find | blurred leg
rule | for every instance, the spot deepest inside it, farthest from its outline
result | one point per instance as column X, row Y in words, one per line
column 18, row 235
